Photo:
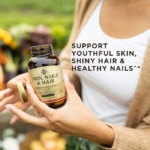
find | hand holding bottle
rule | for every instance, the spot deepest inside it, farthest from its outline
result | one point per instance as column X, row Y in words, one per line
column 73, row 118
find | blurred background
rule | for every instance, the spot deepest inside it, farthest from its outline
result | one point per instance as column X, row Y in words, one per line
column 25, row 23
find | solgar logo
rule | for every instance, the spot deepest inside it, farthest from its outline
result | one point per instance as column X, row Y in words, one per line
column 43, row 71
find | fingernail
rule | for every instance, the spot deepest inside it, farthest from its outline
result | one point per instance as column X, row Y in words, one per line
column 8, row 107
column 66, row 77
column 27, row 86
column 13, row 121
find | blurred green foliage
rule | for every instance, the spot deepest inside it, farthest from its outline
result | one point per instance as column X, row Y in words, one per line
column 60, row 35
column 45, row 6
column 55, row 14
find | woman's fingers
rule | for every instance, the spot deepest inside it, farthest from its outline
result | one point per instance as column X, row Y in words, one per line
column 8, row 100
column 26, row 117
column 12, row 83
column 5, row 93
column 37, row 104
column 23, row 107
column 11, row 95
column 40, row 106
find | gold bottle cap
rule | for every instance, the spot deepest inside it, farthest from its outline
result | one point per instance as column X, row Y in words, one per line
column 22, row 92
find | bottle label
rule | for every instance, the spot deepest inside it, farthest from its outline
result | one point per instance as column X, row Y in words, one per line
column 48, row 83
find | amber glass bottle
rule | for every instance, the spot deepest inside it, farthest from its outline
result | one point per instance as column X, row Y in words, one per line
column 46, row 75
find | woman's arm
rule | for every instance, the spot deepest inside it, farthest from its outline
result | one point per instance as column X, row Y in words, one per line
column 74, row 118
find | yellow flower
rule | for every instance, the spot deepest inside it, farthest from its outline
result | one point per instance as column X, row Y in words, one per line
column 7, row 38
column 13, row 44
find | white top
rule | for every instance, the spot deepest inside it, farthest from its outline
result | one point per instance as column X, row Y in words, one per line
column 108, row 88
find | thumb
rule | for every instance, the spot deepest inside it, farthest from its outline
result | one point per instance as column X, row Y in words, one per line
column 69, row 86
column 71, row 92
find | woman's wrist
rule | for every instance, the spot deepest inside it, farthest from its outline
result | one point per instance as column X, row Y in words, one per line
column 101, row 134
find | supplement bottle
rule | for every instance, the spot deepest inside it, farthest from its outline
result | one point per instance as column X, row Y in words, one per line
column 46, row 75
